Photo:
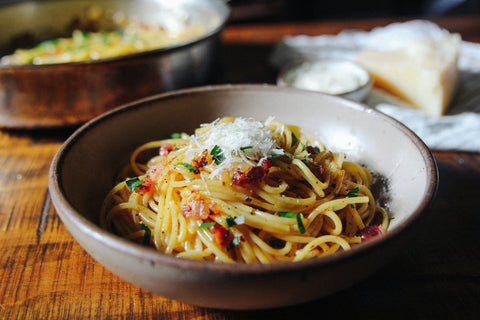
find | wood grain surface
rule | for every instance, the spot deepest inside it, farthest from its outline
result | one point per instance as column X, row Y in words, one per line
column 45, row 274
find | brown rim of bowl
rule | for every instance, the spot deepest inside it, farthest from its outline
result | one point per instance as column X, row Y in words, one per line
column 150, row 254
column 289, row 67
column 180, row 45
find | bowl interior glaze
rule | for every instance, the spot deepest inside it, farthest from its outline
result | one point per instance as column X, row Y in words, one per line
column 85, row 167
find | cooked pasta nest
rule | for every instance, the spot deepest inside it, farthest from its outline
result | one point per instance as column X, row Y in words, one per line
column 291, row 201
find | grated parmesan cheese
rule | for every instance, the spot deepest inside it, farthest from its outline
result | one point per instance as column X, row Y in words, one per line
column 243, row 141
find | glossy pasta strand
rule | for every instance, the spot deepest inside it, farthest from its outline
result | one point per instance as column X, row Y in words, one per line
column 309, row 202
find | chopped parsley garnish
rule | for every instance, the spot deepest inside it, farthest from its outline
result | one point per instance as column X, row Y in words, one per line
column 275, row 156
column 352, row 193
column 146, row 235
column 286, row 214
column 294, row 139
column 305, row 162
column 189, row 167
column 232, row 221
column 104, row 37
column 301, row 228
column 217, row 155
column 245, row 148
column 47, row 45
column 235, row 242
column 133, row 184
column 176, row 135
column 206, row 225
column 298, row 216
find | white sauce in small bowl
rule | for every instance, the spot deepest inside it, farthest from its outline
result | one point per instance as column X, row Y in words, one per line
column 335, row 77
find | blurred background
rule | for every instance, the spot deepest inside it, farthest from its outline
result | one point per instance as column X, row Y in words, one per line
column 301, row 10
column 245, row 11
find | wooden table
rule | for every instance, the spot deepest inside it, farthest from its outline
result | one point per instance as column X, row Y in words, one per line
column 45, row 274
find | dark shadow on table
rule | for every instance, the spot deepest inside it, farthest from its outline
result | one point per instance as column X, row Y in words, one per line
column 425, row 280
column 247, row 63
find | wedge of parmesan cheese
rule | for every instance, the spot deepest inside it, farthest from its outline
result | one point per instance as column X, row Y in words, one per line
column 423, row 73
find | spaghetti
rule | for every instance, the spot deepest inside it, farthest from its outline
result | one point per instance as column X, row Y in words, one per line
column 239, row 190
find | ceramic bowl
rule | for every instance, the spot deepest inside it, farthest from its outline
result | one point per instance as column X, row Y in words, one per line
column 85, row 167
column 44, row 96
column 331, row 76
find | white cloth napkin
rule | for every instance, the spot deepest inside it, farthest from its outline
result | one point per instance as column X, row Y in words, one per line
column 458, row 130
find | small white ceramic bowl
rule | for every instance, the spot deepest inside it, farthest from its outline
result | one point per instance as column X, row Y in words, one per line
column 85, row 167
column 330, row 76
